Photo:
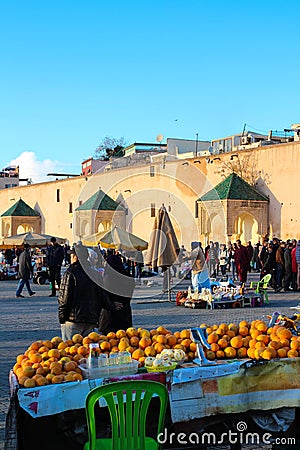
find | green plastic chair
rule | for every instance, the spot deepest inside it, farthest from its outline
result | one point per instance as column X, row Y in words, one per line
column 128, row 403
column 261, row 286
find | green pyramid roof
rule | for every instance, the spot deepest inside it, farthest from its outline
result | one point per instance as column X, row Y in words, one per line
column 233, row 188
column 20, row 209
column 99, row 202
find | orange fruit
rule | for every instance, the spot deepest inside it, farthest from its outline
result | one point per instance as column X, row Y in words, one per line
column 241, row 352
column 35, row 345
column 122, row 346
column 294, row 345
column 221, row 331
column 255, row 333
column 36, row 357
column 250, row 353
column 258, row 352
column 105, row 346
column 134, row 341
column 56, row 340
column 161, row 338
column 111, row 335
column 145, row 342
column 224, row 326
column 120, row 334
column 292, row 354
column 48, row 343
column 212, row 337
column 274, row 344
column 150, row 351
column 137, row 354
column 281, row 353
column 131, row 331
column 263, row 338
column 243, row 331
column 159, row 347
column 57, row 379
column 28, row 371
column 233, row 327
column 236, row 342
column 171, row 339
column 230, row 333
column 260, row 345
column 144, row 333
column 222, row 343
column 185, row 334
column 230, row 352
column 163, row 330
column 220, row 354
column 210, row 355
column 262, row 327
column 29, row 383
column 193, row 347
column 244, row 323
column 284, row 333
column 53, row 353
column 214, row 347
column 285, row 342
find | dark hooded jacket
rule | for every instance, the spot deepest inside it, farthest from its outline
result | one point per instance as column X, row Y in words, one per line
column 80, row 298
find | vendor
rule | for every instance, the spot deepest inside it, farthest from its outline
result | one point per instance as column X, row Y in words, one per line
column 200, row 276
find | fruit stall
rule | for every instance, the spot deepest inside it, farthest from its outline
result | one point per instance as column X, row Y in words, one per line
column 215, row 375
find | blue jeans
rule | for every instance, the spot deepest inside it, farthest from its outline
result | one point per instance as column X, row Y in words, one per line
column 68, row 329
column 200, row 280
column 21, row 284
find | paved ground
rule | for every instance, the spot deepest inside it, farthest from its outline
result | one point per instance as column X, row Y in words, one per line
column 32, row 318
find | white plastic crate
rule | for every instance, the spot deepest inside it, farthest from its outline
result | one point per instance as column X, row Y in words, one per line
column 109, row 371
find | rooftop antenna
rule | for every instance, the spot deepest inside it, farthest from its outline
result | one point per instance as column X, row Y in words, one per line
column 159, row 138
column 244, row 128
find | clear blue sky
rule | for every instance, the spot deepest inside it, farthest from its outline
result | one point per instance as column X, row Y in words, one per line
column 73, row 72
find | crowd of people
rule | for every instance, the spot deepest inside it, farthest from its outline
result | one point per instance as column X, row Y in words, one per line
column 280, row 259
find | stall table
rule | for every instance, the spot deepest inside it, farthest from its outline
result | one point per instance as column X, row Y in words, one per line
column 198, row 396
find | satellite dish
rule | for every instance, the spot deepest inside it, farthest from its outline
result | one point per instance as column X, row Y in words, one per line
column 159, row 138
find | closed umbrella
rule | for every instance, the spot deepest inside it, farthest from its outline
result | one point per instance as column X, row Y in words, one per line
column 117, row 238
column 163, row 245
column 33, row 239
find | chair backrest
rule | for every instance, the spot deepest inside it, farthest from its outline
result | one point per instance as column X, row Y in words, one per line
column 264, row 281
column 128, row 403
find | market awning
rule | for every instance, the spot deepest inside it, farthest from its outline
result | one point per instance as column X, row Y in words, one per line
column 33, row 239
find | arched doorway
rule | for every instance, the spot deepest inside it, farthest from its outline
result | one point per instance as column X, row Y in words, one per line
column 104, row 226
column 216, row 228
column 247, row 228
column 24, row 228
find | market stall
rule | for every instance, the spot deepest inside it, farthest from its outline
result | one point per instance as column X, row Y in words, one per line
column 261, row 386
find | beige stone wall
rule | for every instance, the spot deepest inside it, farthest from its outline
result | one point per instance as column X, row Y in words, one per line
column 176, row 184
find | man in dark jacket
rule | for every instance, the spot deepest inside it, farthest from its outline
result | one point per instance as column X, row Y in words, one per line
column 119, row 287
column 81, row 297
column 55, row 256
column 25, row 271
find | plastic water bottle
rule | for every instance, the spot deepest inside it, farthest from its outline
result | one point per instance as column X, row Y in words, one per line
column 92, row 361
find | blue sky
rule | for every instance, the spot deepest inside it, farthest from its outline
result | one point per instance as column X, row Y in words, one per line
column 73, row 72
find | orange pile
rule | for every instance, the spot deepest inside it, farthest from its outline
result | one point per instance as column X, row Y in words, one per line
column 55, row 361
column 255, row 341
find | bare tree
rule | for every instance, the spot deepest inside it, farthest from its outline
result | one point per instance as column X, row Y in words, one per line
column 245, row 166
column 110, row 147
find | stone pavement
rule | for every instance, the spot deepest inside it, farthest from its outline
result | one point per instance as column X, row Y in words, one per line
column 32, row 318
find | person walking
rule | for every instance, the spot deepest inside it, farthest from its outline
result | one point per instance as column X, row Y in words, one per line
column 223, row 259
column 55, row 257
column 138, row 265
column 200, row 274
column 241, row 261
column 81, row 297
column 25, row 272
column 279, row 266
column 212, row 258
column 288, row 267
